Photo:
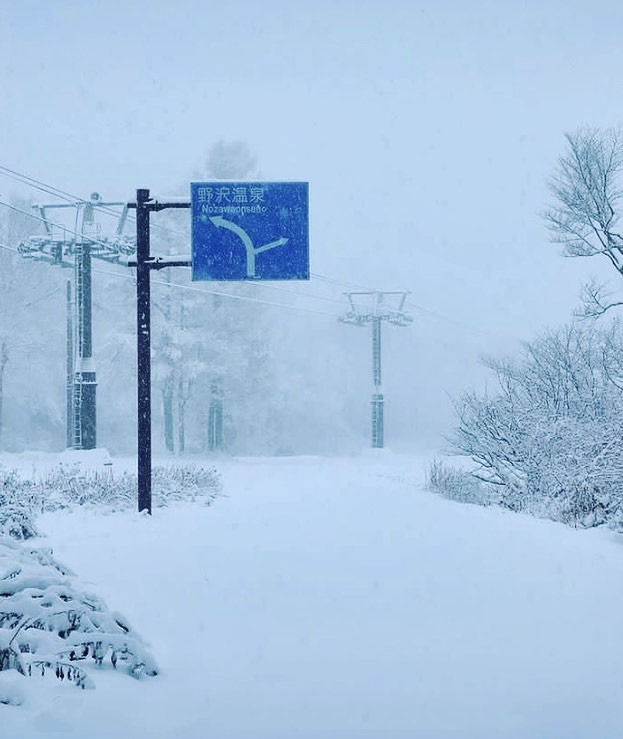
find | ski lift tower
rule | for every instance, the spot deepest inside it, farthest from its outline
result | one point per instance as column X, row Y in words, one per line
column 372, row 308
column 75, row 248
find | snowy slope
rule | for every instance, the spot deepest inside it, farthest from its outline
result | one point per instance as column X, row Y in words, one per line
column 335, row 598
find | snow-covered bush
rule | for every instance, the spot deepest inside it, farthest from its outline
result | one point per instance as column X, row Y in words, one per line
column 66, row 487
column 17, row 522
column 180, row 483
column 458, row 484
column 69, row 487
column 548, row 441
column 48, row 625
column 21, row 500
column 18, row 499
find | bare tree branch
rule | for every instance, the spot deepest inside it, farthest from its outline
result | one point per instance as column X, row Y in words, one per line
column 596, row 300
column 586, row 196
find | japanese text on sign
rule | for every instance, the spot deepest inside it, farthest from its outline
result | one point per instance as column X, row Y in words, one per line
column 240, row 200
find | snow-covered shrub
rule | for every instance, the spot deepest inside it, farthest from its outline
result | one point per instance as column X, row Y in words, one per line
column 180, row 483
column 458, row 484
column 548, row 441
column 48, row 625
column 18, row 501
column 21, row 500
column 17, row 522
column 68, row 487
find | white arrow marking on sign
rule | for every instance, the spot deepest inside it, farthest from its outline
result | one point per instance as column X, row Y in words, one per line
column 251, row 250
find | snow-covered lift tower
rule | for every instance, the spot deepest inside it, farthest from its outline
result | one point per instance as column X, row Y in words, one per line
column 75, row 248
column 372, row 308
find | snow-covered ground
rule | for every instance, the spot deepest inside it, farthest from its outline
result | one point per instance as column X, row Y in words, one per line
column 337, row 599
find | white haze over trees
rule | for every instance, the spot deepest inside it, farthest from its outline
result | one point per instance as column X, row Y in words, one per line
column 281, row 368
column 426, row 133
column 32, row 343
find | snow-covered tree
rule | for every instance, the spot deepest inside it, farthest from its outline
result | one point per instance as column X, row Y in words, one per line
column 585, row 212
column 230, row 160
column 547, row 440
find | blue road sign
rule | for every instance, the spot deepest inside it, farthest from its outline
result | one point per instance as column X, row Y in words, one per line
column 250, row 230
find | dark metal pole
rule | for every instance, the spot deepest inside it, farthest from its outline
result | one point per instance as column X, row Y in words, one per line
column 70, row 368
column 143, row 345
column 88, row 410
column 79, row 305
column 85, row 383
column 377, row 397
column 86, row 348
column 144, row 264
column 376, row 352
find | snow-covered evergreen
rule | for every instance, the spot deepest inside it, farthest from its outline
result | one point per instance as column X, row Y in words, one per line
column 49, row 625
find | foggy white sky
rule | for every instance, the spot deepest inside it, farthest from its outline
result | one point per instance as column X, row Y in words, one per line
column 426, row 130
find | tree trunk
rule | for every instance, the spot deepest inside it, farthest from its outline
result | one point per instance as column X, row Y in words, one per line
column 4, row 358
column 181, row 409
column 167, row 407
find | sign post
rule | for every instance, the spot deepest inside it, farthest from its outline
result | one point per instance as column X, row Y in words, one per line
column 144, row 263
column 240, row 231
column 143, row 348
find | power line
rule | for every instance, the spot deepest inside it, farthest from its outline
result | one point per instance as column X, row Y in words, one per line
column 341, row 283
column 322, row 278
column 173, row 284
column 73, row 232
column 421, row 309
column 219, row 293
column 64, row 195
column 460, row 324
column 35, row 184
column 60, row 226
column 188, row 287
column 69, row 197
